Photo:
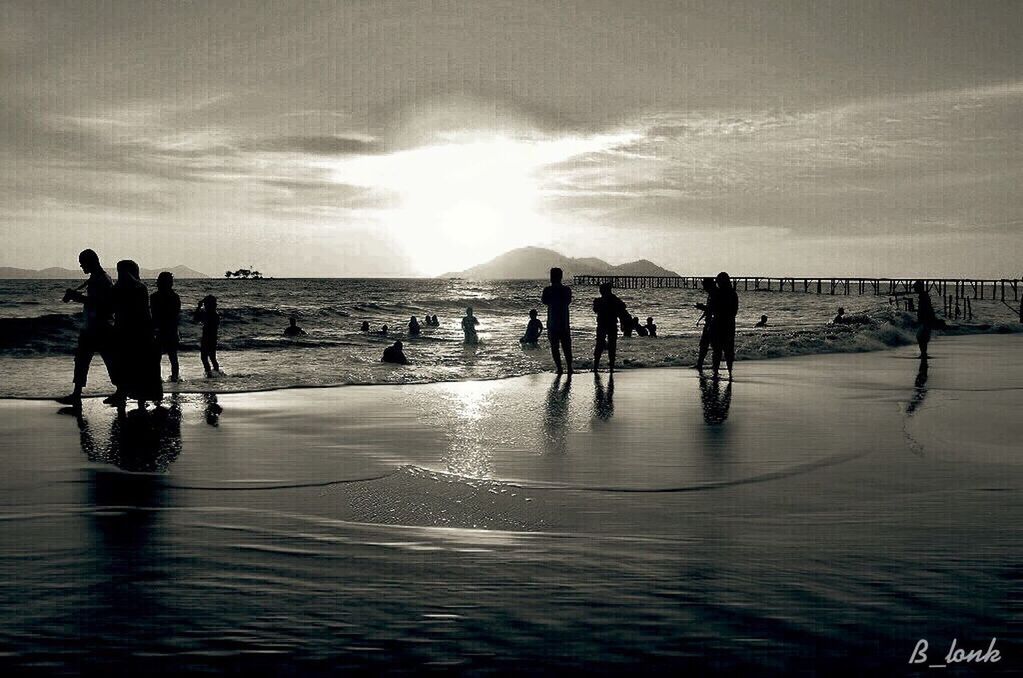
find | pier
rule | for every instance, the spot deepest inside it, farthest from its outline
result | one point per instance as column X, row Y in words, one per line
column 958, row 288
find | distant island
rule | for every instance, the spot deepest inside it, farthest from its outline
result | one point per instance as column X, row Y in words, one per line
column 244, row 274
column 58, row 273
column 535, row 263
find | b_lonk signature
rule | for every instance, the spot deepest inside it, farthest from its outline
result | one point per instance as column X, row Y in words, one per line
column 955, row 655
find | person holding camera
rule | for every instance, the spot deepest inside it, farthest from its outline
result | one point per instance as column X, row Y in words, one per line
column 708, row 322
column 96, row 335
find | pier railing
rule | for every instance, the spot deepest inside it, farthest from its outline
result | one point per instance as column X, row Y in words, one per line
column 989, row 288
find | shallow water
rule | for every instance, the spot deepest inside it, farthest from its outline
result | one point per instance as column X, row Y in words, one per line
column 38, row 334
column 818, row 515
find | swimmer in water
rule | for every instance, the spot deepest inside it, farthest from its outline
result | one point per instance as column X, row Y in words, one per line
column 293, row 330
column 534, row 328
column 469, row 323
column 395, row 354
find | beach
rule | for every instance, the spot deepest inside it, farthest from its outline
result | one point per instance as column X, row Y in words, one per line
column 820, row 513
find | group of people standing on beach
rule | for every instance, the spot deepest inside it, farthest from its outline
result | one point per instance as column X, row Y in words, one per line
column 719, row 313
column 131, row 330
column 611, row 312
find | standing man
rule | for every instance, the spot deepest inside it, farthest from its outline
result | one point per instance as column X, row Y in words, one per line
column 557, row 298
column 608, row 308
column 97, row 331
column 165, row 305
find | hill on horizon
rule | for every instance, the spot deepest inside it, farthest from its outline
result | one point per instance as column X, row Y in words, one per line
column 59, row 273
column 534, row 263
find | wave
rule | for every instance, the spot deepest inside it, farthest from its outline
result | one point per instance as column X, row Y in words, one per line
column 52, row 333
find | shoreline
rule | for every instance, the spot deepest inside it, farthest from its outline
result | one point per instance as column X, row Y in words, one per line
column 1003, row 329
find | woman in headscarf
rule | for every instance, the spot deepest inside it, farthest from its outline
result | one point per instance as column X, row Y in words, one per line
column 138, row 360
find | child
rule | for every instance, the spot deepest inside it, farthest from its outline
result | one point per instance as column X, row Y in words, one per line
column 651, row 327
column 469, row 323
column 210, row 320
column 165, row 305
column 534, row 328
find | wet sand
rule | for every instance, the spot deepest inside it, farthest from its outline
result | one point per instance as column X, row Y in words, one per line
column 821, row 513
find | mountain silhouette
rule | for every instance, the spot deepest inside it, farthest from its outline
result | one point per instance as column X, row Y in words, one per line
column 534, row 263
column 58, row 273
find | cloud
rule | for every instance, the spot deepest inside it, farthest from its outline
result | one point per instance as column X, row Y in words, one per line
column 317, row 145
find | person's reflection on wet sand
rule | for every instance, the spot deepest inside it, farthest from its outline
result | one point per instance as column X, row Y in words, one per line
column 603, row 399
column 211, row 409
column 919, row 388
column 715, row 402
column 127, row 554
column 139, row 441
column 555, row 418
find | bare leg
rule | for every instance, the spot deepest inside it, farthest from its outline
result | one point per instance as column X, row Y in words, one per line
column 556, row 354
column 173, row 357
column 566, row 344
column 204, row 355
column 213, row 359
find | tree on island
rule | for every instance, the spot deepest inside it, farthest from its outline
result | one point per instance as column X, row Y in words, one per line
column 244, row 274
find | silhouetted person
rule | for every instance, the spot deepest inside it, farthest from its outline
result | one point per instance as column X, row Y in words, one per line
column 708, row 322
column 651, row 328
column 395, row 354
column 208, row 315
column 434, row 321
column 382, row 331
column 608, row 307
column 762, row 322
column 603, row 399
column 715, row 403
column 558, row 297
column 840, row 318
column 138, row 358
column 365, row 326
column 293, row 330
column 469, row 323
column 926, row 317
column 96, row 335
column 414, row 329
column 165, row 305
column 534, row 328
column 639, row 329
column 726, row 307
column 628, row 327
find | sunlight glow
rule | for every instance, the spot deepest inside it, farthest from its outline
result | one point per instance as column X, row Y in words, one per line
column 469, row 198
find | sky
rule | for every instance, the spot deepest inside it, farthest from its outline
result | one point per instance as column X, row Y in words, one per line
column 414, row 138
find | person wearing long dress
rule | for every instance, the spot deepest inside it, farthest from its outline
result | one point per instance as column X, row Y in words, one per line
column 726, row 307
column 137, row 355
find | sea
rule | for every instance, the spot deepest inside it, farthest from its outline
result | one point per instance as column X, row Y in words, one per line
column 38, row 332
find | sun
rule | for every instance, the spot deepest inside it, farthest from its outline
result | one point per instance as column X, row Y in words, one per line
column 461, row 204
column 468, row 196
